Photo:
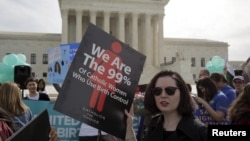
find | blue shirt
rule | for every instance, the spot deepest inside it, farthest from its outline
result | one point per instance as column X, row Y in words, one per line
column 21, row 120
column 229, row 92
column 218, row 103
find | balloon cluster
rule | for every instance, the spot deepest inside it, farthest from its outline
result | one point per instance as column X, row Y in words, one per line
column 8, row 64
column 216, row 64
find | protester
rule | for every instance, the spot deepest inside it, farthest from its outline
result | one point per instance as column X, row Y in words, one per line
column 204, row 73
column 239, row 111
column 168, row 97
column 18, row 111
column 222, row 84
column 6, row 129
column 213, row 103
column 11, row 101
column 41, row 86
column 238, row 83
column 31, row 85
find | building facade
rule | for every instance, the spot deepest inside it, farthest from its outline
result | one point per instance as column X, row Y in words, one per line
column 138, row 23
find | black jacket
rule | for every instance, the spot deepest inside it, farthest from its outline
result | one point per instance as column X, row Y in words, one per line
column 188, row 129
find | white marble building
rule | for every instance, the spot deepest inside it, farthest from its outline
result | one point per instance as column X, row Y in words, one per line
column 138, row 23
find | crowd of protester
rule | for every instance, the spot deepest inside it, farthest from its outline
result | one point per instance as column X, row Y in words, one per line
column 14, row 113
column 169, row 109
column 220, row 100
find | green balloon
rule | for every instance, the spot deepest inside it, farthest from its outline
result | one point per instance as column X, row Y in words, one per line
column 10, row 59
column 218, row 61
column 6, row 78
column 4, row 68
column 21, row 58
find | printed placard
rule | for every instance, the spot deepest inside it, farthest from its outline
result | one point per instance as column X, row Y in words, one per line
column 101, row 82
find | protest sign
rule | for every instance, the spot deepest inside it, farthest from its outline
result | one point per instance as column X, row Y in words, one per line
column 59, row 60
column 101, row 82
column 36, row 130
column 66, row 127
column 207, row 119
column 57, row 64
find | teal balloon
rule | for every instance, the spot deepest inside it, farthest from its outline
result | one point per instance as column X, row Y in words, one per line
column 216, row 65
column 4, row 68
column 208, row 64
column 219, row 69
column 22, row 63
column 6, row 73
column 10, row 59
column 10, row 70
column 6, row 78
column 210, row 67
column 222, row 63
column 19, row 63
column 21, row 58
column 217, row 61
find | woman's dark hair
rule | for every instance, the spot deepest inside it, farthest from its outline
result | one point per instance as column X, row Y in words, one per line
column 209, row 86
column 217, row 77
column 185, row 106
column 30, row 79
column 189, row 87
column 44, row 84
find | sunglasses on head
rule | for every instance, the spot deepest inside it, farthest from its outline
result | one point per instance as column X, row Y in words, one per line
column 169, row 90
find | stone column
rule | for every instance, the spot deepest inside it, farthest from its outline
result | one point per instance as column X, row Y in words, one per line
column 64, row 38
column 135, row 31
column 160, row 34
column 93, row 17
column 106, row 25
column 78, row 25
column 121, row 26
column 155, row 41
column 148, row 47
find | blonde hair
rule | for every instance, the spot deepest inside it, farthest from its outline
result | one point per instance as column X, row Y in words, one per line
column 10, row 99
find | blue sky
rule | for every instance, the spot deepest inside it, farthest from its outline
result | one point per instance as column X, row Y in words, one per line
column 219, row 20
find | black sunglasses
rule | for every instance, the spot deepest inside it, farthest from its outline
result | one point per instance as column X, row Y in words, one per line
column 169, row 90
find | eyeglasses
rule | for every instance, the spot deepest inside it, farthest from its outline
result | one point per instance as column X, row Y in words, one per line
column 169, row 90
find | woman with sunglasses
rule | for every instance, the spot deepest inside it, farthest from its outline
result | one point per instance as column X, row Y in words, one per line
column 168, row 98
